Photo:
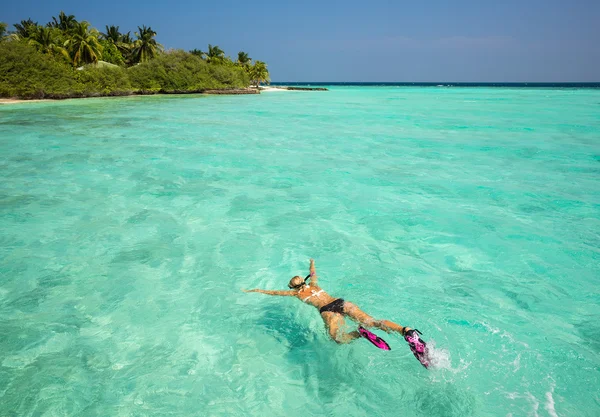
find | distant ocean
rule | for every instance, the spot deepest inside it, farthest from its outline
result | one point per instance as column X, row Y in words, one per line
column 444, row 84
column 129, row 226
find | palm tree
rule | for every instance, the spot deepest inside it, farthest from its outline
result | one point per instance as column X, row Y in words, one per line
column 214, row 54
column 126, row 37
column 114, row 37
column 243, row 59
column 63, row 22
column 112, row 34
column 83, row 44
column 25, row 28
column 47, row 40
column 145, row 47
column 125, row 45
column 259, row 73
column 198, row 53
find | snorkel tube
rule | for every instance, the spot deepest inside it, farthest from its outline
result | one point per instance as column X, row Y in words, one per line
column 294, row 287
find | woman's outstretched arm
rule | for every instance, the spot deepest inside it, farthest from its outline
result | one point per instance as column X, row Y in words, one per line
column 273, row 292
column 313, row 272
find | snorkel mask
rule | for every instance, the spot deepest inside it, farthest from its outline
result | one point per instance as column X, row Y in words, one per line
column 297, row 286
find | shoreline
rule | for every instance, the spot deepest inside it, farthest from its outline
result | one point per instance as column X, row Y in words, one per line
column 291, row 88
column 20, row 100
column 237, row 91
column 233, row 92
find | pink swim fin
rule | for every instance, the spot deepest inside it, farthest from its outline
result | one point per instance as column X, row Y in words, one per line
column 373, row 338
column 417, row 346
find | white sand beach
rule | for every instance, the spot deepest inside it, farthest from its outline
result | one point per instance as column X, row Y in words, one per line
column 264, row 89
column 18, row 101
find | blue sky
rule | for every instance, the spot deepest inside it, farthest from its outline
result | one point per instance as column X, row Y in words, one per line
column 380, row 40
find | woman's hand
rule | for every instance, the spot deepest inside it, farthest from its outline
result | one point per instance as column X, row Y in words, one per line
column 245, row 290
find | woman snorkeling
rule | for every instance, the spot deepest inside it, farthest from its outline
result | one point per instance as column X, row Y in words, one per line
column 333, row 310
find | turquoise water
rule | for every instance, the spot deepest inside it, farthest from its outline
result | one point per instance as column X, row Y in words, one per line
column 129, row 226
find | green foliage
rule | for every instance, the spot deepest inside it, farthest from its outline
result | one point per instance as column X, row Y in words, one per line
column 126, row 38
column 125, row 45
column 25, row 28
column 3, row 32
column 39, row 61
column 229, row 76
column 104, row 80
column 145, row 47
column 243, row 59
column 112, row 34
column 258, row 73
column 83, row 44
column 214, row 54
column 117, row 46
column 64, row 22
column 179, row 71
column 198, row 53
column 26, row 73
column 110, row 53
column 48, row 40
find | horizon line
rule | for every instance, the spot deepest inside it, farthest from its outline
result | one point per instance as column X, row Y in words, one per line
column 438, row 82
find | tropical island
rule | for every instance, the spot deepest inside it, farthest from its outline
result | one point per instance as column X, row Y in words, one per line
column 67, row 58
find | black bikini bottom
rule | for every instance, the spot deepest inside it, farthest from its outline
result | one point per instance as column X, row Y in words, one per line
column 336, row 306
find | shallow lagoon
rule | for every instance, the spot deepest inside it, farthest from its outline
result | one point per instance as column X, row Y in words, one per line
column 129, row 226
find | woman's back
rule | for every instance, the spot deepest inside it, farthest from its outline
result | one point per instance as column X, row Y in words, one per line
column 314, row 295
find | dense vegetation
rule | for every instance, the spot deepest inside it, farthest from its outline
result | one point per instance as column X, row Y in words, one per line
column 69, row 58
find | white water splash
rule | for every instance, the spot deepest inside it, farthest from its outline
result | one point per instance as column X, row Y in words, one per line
column 438, row 358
